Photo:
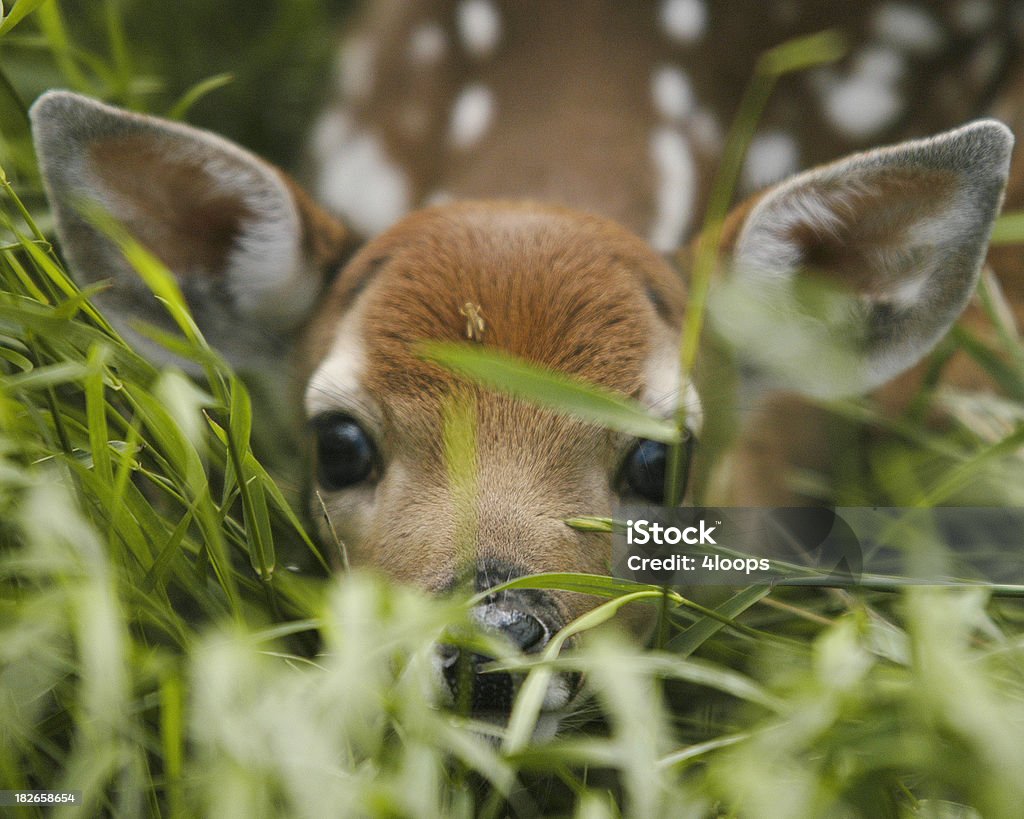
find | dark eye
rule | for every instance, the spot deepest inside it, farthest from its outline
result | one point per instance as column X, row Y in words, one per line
column 644, row 471
column 345, row 454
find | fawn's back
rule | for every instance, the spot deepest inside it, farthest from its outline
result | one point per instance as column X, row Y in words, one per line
column 621, row 108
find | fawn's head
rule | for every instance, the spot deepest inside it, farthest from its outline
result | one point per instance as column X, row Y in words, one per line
column 900, row 231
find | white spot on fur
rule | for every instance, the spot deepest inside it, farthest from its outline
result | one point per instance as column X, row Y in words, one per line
column 861, row 107
column 358, row 181
column 908, row 28
column 772, row 155
column 866, row 100
column 479, row 27
column 880, row 63
column 329, row 132
column 356, row 68
column 427, row 44
column 684, row 20
column 471, row 115
column 438, row 197
column 706, row 131
column 972, row 16
column 672, row 92
column 676, row 175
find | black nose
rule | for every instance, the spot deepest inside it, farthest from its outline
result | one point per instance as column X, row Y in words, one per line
column 525, row 631
column 484, row 692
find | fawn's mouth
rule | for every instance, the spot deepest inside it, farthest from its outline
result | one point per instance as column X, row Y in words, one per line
column 471, row 685
column 482, row 691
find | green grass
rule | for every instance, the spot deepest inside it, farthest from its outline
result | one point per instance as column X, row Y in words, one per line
column 157, row 653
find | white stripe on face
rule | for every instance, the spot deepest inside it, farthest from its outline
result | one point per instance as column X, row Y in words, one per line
column 664, row 392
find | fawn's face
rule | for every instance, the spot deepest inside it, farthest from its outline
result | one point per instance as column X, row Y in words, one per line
column 570, row 292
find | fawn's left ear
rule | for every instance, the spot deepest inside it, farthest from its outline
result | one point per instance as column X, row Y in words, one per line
column 846, row 275
column 248, row 248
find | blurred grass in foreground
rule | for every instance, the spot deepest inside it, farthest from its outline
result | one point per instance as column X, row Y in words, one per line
column 154, row 653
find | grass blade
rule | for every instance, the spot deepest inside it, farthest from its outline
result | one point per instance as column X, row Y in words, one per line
column 505, row 373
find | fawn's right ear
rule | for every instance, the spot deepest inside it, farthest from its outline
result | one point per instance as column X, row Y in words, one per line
column 249, row 249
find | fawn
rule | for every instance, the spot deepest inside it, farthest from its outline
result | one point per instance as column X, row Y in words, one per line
column 522, row 175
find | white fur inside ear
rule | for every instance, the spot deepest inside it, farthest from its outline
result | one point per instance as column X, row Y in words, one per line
column 265, row 268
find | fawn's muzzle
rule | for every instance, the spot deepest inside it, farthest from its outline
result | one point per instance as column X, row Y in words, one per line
column 492, row 692
column 527, row 619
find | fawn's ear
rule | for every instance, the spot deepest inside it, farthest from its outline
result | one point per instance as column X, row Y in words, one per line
column 846, row 275
column 248, row 248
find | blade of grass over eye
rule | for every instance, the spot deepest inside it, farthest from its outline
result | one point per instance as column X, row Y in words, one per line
column 505, row 373
column 795, row 55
